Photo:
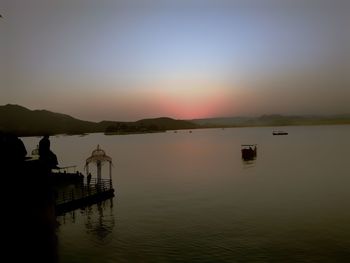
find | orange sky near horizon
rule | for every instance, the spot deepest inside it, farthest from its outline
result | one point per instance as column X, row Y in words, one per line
column 124, row 60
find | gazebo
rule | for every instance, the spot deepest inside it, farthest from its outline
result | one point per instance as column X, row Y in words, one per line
column 98, row 156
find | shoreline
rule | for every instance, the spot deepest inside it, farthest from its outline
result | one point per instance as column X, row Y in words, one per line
column 198, row 128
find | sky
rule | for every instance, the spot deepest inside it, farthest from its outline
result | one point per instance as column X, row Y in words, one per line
column 128, row 60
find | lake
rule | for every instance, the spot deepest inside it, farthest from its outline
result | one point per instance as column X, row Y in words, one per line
column 189, row 197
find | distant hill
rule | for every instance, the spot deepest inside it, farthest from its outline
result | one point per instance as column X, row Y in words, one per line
column 24, row 122
column 273, row 120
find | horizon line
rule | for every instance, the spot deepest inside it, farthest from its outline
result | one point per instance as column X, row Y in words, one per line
column 192, row 119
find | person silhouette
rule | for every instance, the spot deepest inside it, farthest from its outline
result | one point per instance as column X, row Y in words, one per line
column 13, row 149
column 45, row 154
column 44, row 145
column 88, row 179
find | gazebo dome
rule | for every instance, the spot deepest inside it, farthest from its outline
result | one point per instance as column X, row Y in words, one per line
column 98, row 155
column 98, row 152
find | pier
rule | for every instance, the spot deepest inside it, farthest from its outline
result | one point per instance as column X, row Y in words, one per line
column 80, row 195
column 74, row 193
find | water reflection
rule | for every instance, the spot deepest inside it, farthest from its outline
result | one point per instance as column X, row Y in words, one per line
column 68, row 217
column 249, row 163
column 98, row 219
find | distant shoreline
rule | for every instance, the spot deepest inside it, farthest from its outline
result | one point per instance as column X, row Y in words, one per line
column 277, row 125
column 24, row 122
column 199, row 128
column 130, row 133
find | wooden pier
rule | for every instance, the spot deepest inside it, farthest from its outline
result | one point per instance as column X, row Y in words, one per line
column 80, row 195
column 72, row 193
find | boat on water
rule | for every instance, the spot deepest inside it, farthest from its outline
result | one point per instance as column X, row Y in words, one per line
column 248, row 151
column 279, row 133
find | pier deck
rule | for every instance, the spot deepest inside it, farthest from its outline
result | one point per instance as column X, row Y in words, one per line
column 81, row 195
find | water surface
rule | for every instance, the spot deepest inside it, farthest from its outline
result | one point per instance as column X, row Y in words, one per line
column 189, row 197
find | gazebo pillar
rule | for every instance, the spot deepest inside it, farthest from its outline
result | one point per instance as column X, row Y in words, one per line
column 110, row 171
column 99, row 172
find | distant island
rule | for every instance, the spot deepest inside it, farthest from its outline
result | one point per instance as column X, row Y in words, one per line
column 148, row 126
column 25, row 122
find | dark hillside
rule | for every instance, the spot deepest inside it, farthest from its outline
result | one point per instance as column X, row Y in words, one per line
column 22, row 121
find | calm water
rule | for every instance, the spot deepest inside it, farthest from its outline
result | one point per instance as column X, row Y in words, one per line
column 188, row 197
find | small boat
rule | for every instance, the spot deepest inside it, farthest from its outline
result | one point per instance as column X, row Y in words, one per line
column 248, row 151
column 279, row 133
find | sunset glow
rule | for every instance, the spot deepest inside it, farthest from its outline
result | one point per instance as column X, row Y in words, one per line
column 123, row 61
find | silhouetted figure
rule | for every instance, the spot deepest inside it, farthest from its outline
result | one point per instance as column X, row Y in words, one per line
column 12, row 148
column 88, row 179
column 29, row 232
column 46, row 155
column 44, row 145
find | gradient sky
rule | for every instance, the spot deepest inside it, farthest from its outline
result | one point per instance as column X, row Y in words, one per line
column 127, row 60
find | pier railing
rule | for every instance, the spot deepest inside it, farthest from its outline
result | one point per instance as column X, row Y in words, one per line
column 82, row 191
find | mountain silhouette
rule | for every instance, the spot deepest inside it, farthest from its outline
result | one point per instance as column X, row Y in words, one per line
column 24, row 122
